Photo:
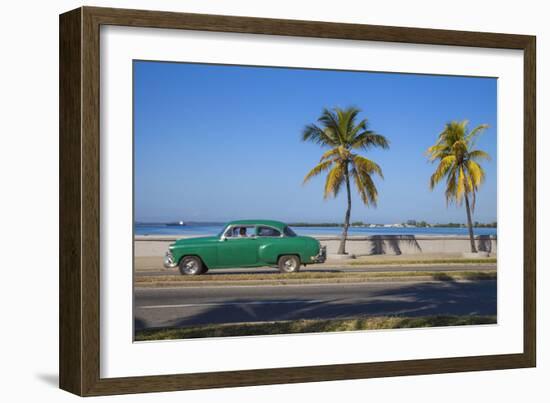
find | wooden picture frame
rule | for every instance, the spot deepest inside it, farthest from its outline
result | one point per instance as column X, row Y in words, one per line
column 79, row 201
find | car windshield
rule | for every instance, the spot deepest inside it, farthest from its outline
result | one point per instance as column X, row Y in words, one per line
column 220, row 234
column 289, row 232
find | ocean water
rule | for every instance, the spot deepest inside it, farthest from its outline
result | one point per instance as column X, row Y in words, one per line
column 215, row 228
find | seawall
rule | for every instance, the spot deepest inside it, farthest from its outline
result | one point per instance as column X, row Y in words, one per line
column 157, row 245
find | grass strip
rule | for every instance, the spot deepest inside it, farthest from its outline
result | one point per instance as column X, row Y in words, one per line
column 311, row 326
column 308, row 277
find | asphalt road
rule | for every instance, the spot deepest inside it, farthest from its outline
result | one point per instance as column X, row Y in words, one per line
column 334, row 269
column 178, row 307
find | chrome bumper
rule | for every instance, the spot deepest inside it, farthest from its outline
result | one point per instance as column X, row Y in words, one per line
column 169, row 262
column 321, row 257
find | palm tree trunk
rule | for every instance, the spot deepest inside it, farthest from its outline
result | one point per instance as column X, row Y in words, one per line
column 470, row 228
column 342, row 248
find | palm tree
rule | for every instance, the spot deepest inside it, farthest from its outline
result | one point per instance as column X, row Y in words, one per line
column 339, row 130
column 459, row 163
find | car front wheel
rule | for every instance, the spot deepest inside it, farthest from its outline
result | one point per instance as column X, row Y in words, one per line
column 191, row 266
column 289, row 264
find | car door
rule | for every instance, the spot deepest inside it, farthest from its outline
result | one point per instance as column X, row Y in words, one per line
column 235, row 250
column 270, row 243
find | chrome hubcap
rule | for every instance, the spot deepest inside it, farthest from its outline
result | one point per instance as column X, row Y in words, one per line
column 290, row 264
column 191, row 266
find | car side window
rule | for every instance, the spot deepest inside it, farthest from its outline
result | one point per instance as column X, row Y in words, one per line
column 289, row 232
column 268, row 231
column 240, row 232
column 232, row 232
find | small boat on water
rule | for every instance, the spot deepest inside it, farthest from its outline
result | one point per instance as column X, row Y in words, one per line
column 176, row 224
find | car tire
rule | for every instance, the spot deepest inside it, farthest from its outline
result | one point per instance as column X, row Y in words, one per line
column 289, row 264
column 191, row 266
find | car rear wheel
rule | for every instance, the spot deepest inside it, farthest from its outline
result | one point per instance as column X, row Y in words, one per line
column 289, row 264
column 191, row 266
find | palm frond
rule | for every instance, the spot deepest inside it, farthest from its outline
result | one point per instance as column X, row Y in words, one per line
column 450, row 190
column 315, row 134
column 475, row 173
column 346, row 121
column 356, row 129
column 333, row 152
column 365, row 187
column 445, row 165
column 323, row 166
column 365, row 166
column 437, row 151
column 334, row 181
column 478, row 155
column 368, row 139
column 459, row 148
column 329, row 120
column 360, row 186
column 474, row 133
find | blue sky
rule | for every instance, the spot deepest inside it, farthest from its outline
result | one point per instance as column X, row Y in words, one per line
column 216, row 143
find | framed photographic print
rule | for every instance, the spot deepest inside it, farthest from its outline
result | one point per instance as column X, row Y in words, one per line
column 248, row 201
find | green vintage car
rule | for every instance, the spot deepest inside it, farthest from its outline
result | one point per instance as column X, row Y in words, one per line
column 246, row 243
